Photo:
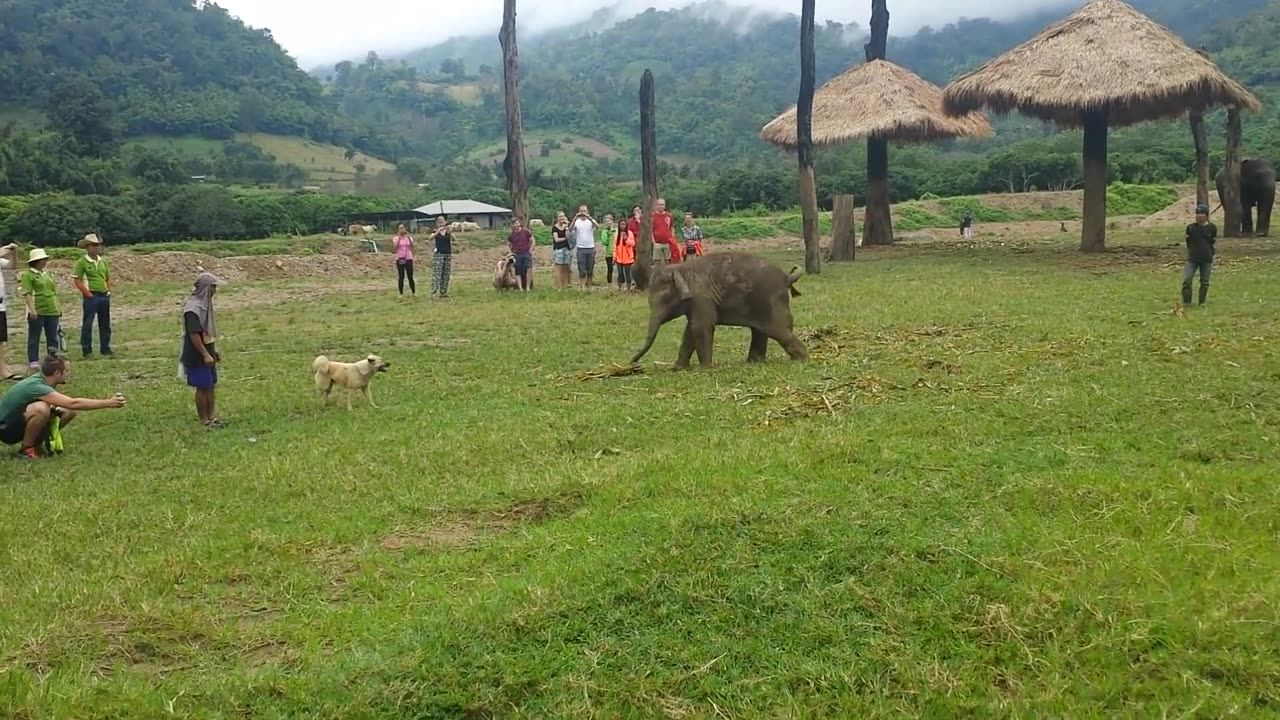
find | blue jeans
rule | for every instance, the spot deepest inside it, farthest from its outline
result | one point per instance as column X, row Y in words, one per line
column 49, row 325
column 99, row 305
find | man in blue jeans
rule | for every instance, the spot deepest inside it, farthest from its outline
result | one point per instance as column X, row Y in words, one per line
column 1201, row 237
column 92, row 277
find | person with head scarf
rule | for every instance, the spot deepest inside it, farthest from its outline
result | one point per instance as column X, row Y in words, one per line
column 200, row 358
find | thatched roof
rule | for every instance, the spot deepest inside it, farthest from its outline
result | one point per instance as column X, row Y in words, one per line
column 1106, row 55
column 878, row 100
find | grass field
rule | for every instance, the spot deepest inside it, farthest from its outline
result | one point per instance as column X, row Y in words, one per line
column 1010, row 483
column 572, row 151
column 323, row 162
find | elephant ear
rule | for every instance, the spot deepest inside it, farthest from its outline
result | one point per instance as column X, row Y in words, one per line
column 682, row 285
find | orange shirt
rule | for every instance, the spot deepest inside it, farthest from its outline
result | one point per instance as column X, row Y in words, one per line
column 624, row 252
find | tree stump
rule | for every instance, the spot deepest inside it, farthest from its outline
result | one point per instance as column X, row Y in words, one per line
column 844, row 231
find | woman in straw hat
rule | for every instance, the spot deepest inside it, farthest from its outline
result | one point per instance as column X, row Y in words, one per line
column 40, row 295
column 92, row 276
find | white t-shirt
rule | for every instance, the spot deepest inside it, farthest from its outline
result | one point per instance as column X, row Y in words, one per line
column 4, row 264
column 584, row 233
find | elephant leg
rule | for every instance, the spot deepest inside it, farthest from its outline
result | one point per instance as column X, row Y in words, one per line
column 759, row 347
column 686, row 347
column 786, row 337
column 704, row 336
column 1246, row 218
column 1264, row 215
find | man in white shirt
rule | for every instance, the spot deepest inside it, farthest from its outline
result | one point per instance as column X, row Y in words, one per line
column 583, row 230
column 5, row 252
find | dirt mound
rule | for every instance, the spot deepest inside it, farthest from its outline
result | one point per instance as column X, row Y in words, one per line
column 182, row 266
column 1180, row 213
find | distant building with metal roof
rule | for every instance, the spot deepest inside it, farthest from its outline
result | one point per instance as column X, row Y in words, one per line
column 483, row 214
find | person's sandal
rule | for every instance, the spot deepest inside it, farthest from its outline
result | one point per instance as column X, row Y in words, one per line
column 215, row 424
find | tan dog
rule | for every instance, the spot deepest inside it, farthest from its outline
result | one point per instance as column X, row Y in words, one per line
column 352, row 377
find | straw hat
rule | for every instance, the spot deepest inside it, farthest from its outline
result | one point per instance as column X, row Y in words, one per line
column 37, row 255
column 88, row 240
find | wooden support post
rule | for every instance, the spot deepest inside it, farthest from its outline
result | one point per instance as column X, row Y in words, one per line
column 844, row 231
column 1232, row 209
column 878, row 228
column 649, row 168
column 1093, row 232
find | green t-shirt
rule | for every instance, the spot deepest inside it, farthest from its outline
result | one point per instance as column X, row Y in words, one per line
column 95, row 274
column 41, row 286
column 607, row 237
column 23, row 394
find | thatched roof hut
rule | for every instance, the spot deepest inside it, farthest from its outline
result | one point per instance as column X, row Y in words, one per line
column 877, row 100
column 1107, row 64
column 881, row 102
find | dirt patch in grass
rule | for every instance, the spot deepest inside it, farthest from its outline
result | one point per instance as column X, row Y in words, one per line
column 469, row 526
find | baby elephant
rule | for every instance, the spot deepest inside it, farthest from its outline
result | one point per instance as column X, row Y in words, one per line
column 730, row 288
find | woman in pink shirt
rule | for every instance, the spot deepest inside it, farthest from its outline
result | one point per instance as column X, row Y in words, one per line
column 403, row 248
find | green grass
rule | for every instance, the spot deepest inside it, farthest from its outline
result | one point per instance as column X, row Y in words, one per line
column 322, row 161
column 1011, row 483
column 569, row 154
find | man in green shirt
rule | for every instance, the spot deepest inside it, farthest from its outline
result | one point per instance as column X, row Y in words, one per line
column 40, row 295
column 92, row 276
column 33, row 412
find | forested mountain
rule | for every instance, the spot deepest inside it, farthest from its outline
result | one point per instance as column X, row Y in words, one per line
column 718, row 83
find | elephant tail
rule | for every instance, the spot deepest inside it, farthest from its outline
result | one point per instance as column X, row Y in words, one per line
column 795, row 275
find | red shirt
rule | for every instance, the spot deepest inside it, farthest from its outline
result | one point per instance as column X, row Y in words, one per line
column 663, row 223
column 634, row 225
column 521, row 241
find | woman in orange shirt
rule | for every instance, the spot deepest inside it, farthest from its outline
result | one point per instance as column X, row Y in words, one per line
column 624, row 256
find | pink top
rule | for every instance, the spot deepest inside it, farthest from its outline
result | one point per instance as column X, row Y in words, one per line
column 404, row 247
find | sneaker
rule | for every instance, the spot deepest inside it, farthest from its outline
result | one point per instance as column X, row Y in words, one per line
column 108, row 353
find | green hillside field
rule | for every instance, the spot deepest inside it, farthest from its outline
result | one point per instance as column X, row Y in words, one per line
column 323, row 162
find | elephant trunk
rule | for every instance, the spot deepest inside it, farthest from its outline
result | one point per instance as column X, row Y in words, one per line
column 655, row 324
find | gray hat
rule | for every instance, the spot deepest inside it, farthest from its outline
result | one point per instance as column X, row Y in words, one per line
column 1202, row 209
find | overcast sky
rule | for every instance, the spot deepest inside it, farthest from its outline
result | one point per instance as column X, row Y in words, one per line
column 324, row 31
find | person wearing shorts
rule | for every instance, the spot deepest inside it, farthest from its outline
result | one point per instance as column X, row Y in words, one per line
column 584, row 245
column 665, row 249
column 520, row 242
column 200, row 358
column 33, row 412
column 561, row 250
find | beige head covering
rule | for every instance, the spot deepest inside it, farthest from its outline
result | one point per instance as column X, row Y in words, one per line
column 90, row 239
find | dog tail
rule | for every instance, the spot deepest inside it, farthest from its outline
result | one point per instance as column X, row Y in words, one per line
column 318, row 364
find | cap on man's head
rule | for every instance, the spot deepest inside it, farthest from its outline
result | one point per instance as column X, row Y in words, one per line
column 90, row 239
column 1202, row 209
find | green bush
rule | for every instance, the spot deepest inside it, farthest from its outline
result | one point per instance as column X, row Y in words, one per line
column 955, row 209
column 912, row 216
column 731, row 229
column 794, row 224
column 1125, row 199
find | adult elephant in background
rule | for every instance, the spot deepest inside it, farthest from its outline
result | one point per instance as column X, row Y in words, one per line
column 730, row 288
column 1257, row 190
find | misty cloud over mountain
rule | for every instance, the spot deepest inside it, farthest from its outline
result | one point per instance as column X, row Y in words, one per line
column 325, row 31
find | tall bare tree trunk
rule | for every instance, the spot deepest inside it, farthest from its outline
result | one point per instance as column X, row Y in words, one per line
column 513, row 165
column 1200, row 136
column 804, row 143
column 1232, row 211
column 879, row 222
column 843, row 232
column 649, row 168
column 1093, row 229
